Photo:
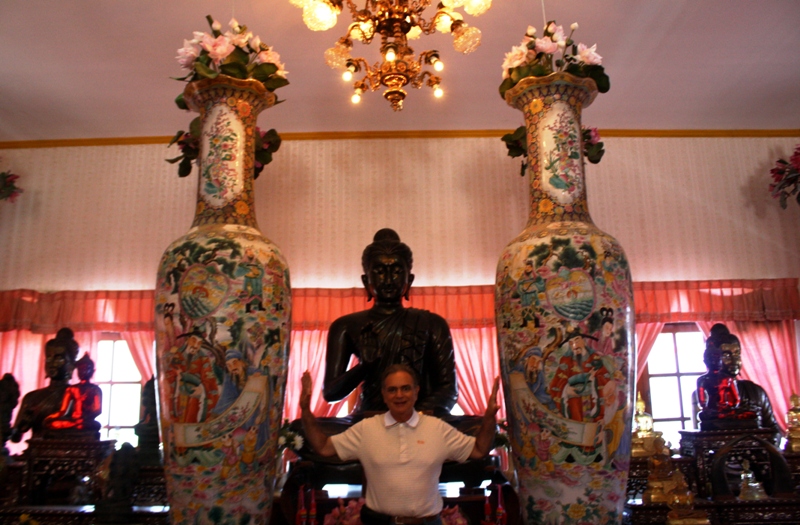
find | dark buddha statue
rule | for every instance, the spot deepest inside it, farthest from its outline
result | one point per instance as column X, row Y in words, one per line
column 80, row 406
column 60, row 356
column 390, row 333
column 9, row 397
column 728, row 402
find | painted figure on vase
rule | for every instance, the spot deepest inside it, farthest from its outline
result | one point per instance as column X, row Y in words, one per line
column 60, row 356
column 390, row 333
column 81, row 405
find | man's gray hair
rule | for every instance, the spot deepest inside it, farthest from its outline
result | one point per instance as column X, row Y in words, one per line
column 399, row 367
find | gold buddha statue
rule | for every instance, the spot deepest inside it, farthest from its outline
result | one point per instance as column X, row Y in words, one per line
column 793, row 425
column 751, row 489
column 661, row 479
column 680, row 500
column 642, row 443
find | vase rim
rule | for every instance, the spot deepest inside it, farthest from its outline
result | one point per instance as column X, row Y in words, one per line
column 248, row 84
column 558, row 77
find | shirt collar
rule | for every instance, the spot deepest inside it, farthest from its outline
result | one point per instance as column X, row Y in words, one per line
column 390, row 421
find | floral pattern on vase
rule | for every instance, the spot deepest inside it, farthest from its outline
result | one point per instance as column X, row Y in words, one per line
column 223, row 306
column 564, row 311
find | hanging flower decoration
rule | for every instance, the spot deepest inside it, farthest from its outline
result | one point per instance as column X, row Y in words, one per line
column 8, row 188
column 516, row 143
column 785, row 178
column 555, row 51
column 238, row 54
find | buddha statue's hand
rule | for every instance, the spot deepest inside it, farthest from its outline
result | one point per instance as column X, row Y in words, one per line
column 369, row 348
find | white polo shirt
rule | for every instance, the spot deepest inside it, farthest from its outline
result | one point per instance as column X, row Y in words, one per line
column 403, row 461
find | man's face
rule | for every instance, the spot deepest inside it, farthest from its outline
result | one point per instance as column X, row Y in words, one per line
column 578, row 346
column 235, row 366
column 388, row 278
column 731, row 358
column 400, row 395
column 57, row 364
column 193, row 344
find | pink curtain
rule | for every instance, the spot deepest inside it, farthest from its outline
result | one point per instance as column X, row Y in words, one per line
column 646, row 334
column 476, row 367
column 141, row 345
column 307, row 353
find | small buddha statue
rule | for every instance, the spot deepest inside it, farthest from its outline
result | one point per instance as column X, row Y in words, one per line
column 793, row 425
column 80, row 406
column 642, row 442
column 680, row 500
column 661, row 478
column 751, row 489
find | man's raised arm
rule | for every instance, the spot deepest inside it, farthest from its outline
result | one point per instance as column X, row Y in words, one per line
column 319, row 441
column 484, row 439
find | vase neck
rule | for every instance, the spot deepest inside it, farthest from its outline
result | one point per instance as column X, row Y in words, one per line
column 228, row 112
column 555, row 151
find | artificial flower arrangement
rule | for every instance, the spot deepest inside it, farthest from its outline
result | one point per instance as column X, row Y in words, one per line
column 516, row 143
column 288, row 438
column 8, row 188
column 537, row 57
column 785, row 178
column 238, row 54
column 349, row 514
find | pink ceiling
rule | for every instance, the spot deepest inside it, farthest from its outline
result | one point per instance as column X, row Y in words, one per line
column 101, row 68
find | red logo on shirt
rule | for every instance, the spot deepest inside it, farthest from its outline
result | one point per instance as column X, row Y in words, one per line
column 420, row 442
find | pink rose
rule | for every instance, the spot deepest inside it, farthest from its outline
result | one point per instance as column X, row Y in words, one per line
column 218, row 48
column 588, row 55
column 188, row 54
column 517, row 57
column 269, row 56
column 558, row 34
column 546, row 45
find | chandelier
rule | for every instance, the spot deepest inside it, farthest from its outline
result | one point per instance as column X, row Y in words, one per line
column 395, row 22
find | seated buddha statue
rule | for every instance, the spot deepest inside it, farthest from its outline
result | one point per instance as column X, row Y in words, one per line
column 60, row 355
column 80, row 406
column 717, row 392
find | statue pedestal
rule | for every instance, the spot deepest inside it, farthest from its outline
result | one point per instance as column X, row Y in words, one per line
column 55, row 467
column 702, row 446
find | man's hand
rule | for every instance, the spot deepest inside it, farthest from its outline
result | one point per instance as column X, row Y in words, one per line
column 491, row 403
column 484, row 439
column 305, row 392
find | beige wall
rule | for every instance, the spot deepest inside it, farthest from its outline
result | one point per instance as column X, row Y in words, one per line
column 683, row 208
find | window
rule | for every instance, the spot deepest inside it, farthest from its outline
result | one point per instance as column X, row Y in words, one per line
column 120, row 381
column 673, row 366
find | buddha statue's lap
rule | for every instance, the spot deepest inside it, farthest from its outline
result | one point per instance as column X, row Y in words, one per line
column 386, row 334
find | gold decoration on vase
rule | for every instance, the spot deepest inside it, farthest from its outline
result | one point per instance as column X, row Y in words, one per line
column 396, row 22
column 643, row 441
column 680, row 500
column 793, row 426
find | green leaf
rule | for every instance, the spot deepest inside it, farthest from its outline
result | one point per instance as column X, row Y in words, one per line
column 263, row 71
column 239, row 56
column 234, row 69
column 184, row 168
column 196, row 127
column 181, row 102
column 275, row 82
column 505, row 86
column 522, row 169
column 597, row 73
column 173, row 161
column 205, row 71
column 274, row 140
column 176, row 138
column 264, row 157
column 539, row 71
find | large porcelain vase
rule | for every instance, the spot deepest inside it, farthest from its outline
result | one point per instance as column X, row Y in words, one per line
column 222, row 327
column 563, row 305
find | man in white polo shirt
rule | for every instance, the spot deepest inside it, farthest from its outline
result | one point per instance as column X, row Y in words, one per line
column 401, row 451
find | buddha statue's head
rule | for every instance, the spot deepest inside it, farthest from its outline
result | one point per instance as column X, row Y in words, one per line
column 724, row 346
column 387, row 267
column 60, row 355
column 85, row 367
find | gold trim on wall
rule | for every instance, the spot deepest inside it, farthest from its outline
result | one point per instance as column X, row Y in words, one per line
column 422, row 134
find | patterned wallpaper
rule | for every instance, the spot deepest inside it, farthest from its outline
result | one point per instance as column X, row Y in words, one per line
column 683, row 208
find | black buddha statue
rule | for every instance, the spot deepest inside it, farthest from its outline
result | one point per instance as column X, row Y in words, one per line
column 80, row 406
column 389, row 333
column 9, row 397
column 60, row 356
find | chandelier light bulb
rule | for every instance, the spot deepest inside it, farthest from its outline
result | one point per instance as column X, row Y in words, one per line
column 477, row 7
column 414, row 33
column 437, row 91
column 347, row 76
column 390, row 55
column 466, row 39
column 444, row 21
column 356, row 98
column 438, row 65
column 319, row 15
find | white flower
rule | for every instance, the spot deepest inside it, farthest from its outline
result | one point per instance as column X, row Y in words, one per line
column 551, row 28
column 517, row 57
column 239, row 39
column 574, row 26
column 233, row 24
column 546, row 45
column 281, row 441
column 198, row 37
column 269, row 56
column 187, row 54
column 255, row 44
column 216, row 26
column 561, row 45
column 298, row 442
column 588, row 55
column 558, row 35
column 531, row 31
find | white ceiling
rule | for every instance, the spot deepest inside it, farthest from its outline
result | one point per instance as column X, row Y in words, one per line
column 102, row 68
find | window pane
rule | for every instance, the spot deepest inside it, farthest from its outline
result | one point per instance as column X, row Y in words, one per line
column 688, row 386
column 664, row 397
column 662, row 357
column 123, row 435
column 105, row 352
column 103, row 418
column 125, row 401
column 669, row 429
column 124, row 367
column 690, row 351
